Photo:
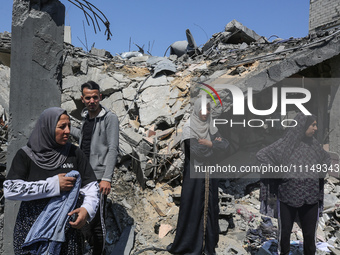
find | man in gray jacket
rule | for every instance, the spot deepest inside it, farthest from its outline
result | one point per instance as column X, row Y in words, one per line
column 98, row 139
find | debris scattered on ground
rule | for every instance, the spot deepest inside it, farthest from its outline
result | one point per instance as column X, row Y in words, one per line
column 151, row 97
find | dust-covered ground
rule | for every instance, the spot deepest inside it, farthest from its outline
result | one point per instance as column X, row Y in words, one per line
column 154, row 212
column 150, row 216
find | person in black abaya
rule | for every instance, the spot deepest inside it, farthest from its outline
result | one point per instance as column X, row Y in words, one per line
column 197, row 227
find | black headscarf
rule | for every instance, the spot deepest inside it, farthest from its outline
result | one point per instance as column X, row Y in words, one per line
column 42, row 147
column 284, row 151
column 296, row 135
column 309, row 121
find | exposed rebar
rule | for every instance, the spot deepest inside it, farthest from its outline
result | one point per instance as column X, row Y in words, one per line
column 96, row 14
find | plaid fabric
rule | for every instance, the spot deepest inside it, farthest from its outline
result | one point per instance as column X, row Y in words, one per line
column 296, row 150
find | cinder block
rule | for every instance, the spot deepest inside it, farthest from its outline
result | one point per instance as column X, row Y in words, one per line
column 233, row 250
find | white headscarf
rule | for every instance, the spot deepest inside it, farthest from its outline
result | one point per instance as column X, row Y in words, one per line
column 195, row 127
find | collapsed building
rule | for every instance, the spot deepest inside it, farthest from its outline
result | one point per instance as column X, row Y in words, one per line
column 152, row 95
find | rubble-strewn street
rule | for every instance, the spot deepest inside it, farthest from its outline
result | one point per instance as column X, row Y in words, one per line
column 152, row 98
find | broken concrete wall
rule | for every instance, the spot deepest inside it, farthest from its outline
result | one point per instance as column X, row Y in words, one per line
column 148, row 106
column 36, row 58
column 159, row 101
column 152, row 108
column 4, row 87
column 324, row 14
column 146, row 99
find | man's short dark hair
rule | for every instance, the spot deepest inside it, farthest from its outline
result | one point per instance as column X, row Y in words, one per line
column 90, row 85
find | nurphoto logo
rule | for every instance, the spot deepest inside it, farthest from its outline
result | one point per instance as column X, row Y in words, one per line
column 204, row 98
column 238, row 98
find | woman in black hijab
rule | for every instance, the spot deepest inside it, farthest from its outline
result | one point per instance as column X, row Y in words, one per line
column 197, row 227
column 40, row 173
column 298, row 192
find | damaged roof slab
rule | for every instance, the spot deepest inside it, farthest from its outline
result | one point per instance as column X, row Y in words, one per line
column 272, row 67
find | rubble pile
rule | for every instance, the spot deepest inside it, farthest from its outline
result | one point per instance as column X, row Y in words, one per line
column 150, row 108
column 5, row 48
column 5, row 42
column 152, row 98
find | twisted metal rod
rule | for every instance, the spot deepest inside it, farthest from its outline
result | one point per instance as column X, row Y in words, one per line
column 84, row 4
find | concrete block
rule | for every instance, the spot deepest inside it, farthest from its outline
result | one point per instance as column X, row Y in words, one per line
column 125, row 149
column 121, row 78
column 235, row 25
column 100, row 52
column 109, row 85
column 235, row 250
column 129, row 93
column 67, row 34
column 155, row 82
column 139, row 59
column 131, row 136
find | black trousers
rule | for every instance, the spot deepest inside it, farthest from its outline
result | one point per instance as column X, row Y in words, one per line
column 308, row 215
column 95, row 231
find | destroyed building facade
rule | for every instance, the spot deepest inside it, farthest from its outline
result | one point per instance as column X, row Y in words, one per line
column 323, row 15
column 151, row 95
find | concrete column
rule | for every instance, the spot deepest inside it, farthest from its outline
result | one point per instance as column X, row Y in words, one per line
column 36, row 58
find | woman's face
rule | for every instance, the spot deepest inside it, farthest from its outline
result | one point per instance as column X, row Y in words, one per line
column 205, row 117
column 62, row 130
column 311, row 129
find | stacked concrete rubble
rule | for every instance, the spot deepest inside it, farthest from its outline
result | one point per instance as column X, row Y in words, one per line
column 151, row 108
column 152, row 100
column 151, row 94
column 5, row 48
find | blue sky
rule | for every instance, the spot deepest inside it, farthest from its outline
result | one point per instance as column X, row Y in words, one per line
column 160, row 23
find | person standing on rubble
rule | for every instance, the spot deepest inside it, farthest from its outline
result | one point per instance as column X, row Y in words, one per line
column 98, row 138
column 43, row 177
column 197, row 227
column 299, row 193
